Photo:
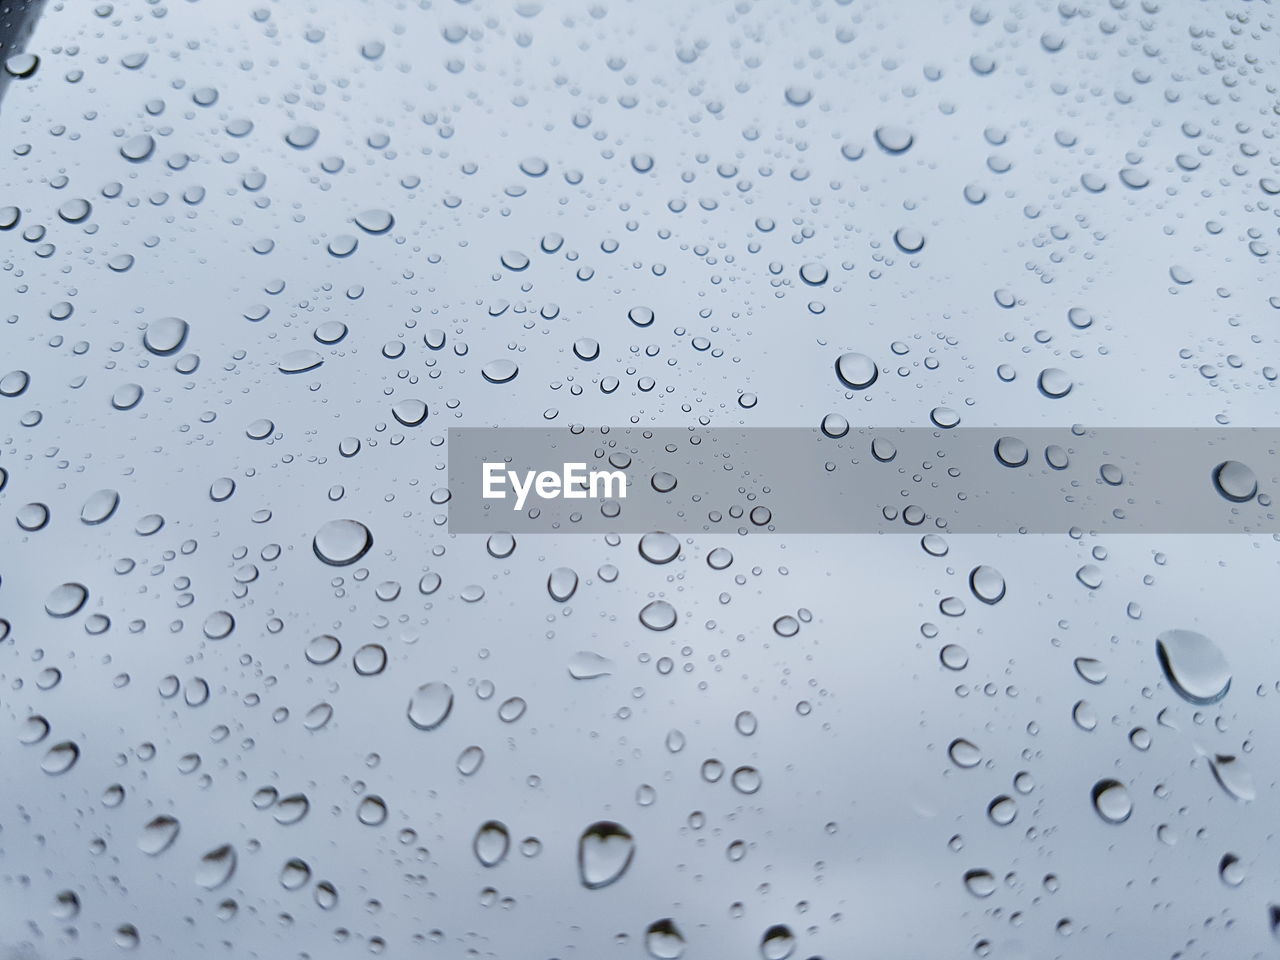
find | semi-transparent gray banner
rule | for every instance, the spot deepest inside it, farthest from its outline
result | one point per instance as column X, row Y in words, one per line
column 841, row 479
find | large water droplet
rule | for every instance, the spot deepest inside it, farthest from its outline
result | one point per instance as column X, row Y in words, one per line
column 99, row 507
column 585, row 665
column 300, row 361
column 1194, row 666
column 663, row 940
column 491, row 843
column 987, row 584
column 894, row 139
column 980, row 883
column 659, row 547
column 1235, row 481
column 158, row 835
column 60, row 758
column 499, row 371
column 964, row 754
column 165, row 336
column 856, row 371
column 65, row 599
column 562, row 582
column 216, row 867
column 430, row 705
column 778, row 943
column 658, row 615
column 605, row 850
column 341, row 542
column 1111, row 800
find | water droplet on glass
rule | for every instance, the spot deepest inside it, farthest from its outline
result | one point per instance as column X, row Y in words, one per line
column 987, row 584
column 856, row 371
column 165, row 336
column 1194, row 666
column 658, row 615
column 659, row 547
column 964, row 754
column 430, row 705
column 605, row 850
column 342, row 542
column 491, row 843
column 663, row 940
column 499, row 371
column 158, row 835
column 216, row 867
column 585, row 665
column 1235, row 481
column 1111, row 800
column 65, row 600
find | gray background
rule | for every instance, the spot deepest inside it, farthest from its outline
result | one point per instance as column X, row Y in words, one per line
column 863, row 830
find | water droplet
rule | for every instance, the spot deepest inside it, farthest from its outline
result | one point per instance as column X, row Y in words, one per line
column 835, row 426
column 430, row 705
column 218, row 625
column 1231, row 870
column 659, row 547
column 99, row 507
column 778, row 943
column 375, row 221
column 165, row 336
column 719, row 558
column 158, row 835
column 342, row 542
column 60, row 758
column 964, row 754
column 562, row 582
column 409, row 413
column 323, row 649
column 658, row 615
column 894, row 139
column 746, row 780
column 987, row 584
column 295, row 874
column 14, row 383
column 1233, row 777
column 663, row 940
column 1011, row 451
column 21, row 65
column 300, row 361
column 1003, row 810
column 65, row 600
column 980, row 883
column 370, row 660
column 372, row 811
column 491, row 843
column 469, row 760
column 1194, row 666
column 856, row 371
column 908, row 239
column 1054, row 383
column 216, row 867
column 1090, row 670
column 605, row 850
column 499, row 371
column 1111, row 800
column 514, row 260
column 73, row 211
column 138, row 148
column 640, row 316
column 301, row 136
column 126, row 396
column 585, row 665
column 1235, row 481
